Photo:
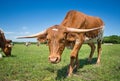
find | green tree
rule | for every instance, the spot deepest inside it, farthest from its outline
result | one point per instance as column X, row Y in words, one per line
column 112, row 39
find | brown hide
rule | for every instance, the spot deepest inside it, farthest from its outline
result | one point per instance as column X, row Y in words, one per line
column 5, row 45
column 79, row 20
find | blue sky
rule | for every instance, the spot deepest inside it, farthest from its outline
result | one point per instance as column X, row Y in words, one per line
column 26, row 17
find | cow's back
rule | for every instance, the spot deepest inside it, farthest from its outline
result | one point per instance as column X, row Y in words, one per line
column 93, row 22
column 79, row 20
column 74, row 19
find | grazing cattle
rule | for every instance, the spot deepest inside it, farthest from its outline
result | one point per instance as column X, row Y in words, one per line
column 5, row 44
column 75, row 29
column 38, row 43
column 27, row 44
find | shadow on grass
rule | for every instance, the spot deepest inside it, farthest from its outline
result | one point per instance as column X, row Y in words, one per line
column 62, row 73
column 9, row 56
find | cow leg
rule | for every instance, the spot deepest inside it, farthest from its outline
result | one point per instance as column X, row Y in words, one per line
column 76, row 63
column 74, row 57
column 99, row 50
column 92, row 45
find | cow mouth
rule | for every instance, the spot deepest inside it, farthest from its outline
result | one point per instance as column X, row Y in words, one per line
column 54, row 60
column 8, row 54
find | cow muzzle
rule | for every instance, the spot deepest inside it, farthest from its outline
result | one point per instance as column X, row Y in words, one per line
column 54, row 59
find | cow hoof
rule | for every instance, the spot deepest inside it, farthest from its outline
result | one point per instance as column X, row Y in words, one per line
column 98, row 62
column 69, row 75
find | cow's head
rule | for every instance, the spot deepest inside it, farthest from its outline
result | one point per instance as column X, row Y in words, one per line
column 7, row 48
column 5, row 44
column 56, row 38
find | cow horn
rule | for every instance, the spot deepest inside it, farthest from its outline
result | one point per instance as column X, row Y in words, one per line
column 82, row 30
column 32, row 36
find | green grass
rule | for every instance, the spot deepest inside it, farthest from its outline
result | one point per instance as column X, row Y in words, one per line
column 31, row 64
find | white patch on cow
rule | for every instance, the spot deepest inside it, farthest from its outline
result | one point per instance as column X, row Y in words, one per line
column 9, row 45
column 55, row 29
column 99, row 37
column 77, row 41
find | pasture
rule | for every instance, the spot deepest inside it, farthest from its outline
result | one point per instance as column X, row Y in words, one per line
column 31, row 64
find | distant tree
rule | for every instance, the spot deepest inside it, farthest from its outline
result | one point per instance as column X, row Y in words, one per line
column 112, row 39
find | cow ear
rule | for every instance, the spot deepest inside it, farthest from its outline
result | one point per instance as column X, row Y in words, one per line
column 42, row 38
column 71, row 36
column 8, row 41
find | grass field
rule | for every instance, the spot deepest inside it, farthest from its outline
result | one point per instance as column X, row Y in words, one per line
column 31, row 64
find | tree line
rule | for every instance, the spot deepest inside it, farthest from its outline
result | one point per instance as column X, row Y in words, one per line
column 115, row 39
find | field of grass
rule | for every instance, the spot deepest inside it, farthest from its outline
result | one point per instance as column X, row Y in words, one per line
column 31, row 64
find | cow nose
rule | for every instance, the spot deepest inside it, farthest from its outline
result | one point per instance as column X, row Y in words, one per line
column 53, row 59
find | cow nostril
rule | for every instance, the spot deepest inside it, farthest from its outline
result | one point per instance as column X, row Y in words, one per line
column 56, row 58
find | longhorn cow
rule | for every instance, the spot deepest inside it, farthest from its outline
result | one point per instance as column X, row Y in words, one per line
column 5, row 44
column 75, row 29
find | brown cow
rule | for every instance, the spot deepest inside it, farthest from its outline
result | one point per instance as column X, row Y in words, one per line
column 75, row 29
column 5, row 45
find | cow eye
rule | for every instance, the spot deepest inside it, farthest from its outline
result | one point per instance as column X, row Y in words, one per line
column 48, row 40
